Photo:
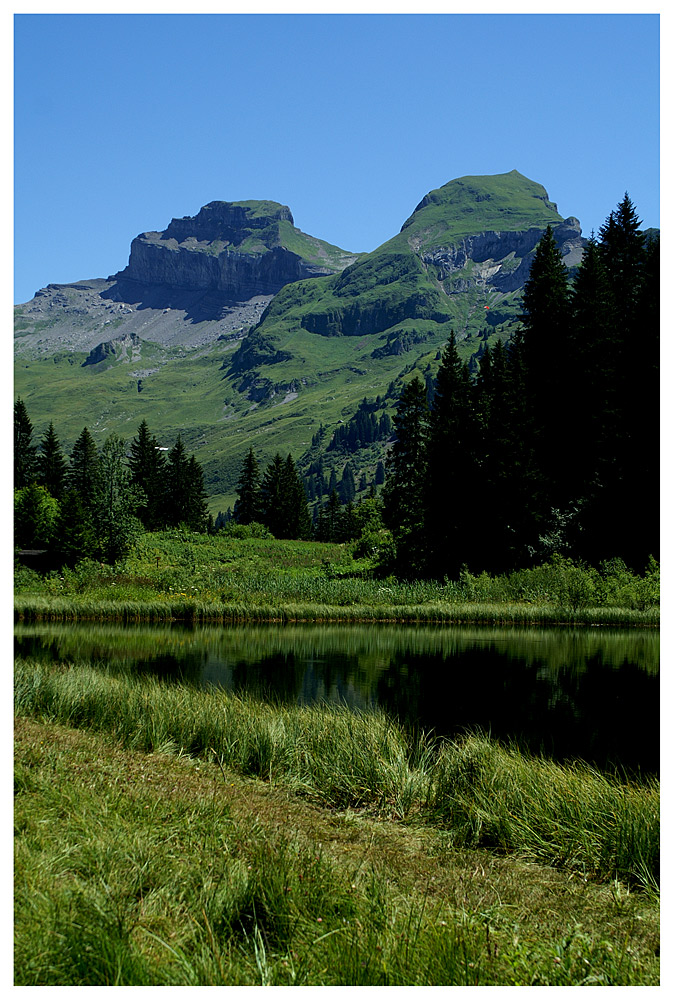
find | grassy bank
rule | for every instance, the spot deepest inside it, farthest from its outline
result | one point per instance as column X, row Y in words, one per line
column 181, row 576
column 481, row 793
column 137, row 868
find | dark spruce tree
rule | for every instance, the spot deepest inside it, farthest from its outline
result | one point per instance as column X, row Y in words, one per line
column 453, row 488
column 404, row 488
column 328, row 525
column 347, row 484
column 507, row 470
column 284, row 500
column 52, row 464
column 147, row 465
column 186, row 496
column 83, row 475
column 118, row 502
column 593, row 411
column 295, row 502
column 75, row 537
column 633, row 276
column 248, row 507
column 25, row 452
column 548, row 359
column 271, row 497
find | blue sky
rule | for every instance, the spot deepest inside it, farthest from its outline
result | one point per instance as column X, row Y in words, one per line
column 123, row 121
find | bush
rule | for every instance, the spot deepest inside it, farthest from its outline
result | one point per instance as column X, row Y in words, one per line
column 253, row 530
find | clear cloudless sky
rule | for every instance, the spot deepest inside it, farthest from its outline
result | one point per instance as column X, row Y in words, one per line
column 124, row 121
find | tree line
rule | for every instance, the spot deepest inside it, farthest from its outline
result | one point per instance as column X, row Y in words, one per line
column 95, row 503
column 553, row 446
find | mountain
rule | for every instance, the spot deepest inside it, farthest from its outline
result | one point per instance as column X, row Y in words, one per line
column 236, row 328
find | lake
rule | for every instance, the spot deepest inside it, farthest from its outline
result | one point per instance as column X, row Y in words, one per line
column 585, row 693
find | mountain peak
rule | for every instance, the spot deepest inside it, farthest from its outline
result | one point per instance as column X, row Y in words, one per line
column 491, row 202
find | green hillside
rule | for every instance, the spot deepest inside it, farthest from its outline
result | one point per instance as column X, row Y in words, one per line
column 506, row 202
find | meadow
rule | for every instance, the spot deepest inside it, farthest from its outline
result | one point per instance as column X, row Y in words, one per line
column 165, row 836
column 185, row 576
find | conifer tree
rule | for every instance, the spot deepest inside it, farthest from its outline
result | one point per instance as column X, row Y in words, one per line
column 197, row 516
column 328, row 524
column 83, row 475
column 248, row 505
column 35, row 516
column 271, row 497
column 148, row 472
column 452, row 485
column 347, row 485
column 25, row 452
column 118, row 500
column 634, row 283
column 186, row 495
column 298, row 518
column 509, row 481
column 404, row 488
column 547, row 355
column 74, row 536
column 52, row 464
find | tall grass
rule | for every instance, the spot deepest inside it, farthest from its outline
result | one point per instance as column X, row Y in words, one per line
column 30, row 608
column 485, row 794
column 191, row 577
column 158, row 879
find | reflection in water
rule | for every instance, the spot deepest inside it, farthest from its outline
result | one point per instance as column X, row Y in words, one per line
column 571, row 693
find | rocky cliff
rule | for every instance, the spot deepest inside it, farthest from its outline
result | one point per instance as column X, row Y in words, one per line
column 235, row 249
column 501, row 260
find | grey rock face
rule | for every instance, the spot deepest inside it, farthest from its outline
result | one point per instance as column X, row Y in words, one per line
column 193, row 266
column 503, row 259
column 232, row 249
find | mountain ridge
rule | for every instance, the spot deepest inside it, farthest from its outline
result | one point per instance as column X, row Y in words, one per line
column 279, row 369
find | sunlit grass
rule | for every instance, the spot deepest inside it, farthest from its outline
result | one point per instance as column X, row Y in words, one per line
column 485, row 794
column 157, row 870
column 184, row 576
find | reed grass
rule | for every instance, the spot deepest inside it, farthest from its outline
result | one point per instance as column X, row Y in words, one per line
column 71, row 609
column 483, row 793
column 137, row 870
column 184, row 576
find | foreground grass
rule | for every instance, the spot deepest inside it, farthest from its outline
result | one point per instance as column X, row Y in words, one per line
column 183, row 576
column 137, row 868
column 483, row 794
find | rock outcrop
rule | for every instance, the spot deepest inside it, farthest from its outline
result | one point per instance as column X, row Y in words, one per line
column 503, row 259
column 235, row 249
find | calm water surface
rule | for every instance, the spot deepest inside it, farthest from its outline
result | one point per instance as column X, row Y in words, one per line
column 571, row 693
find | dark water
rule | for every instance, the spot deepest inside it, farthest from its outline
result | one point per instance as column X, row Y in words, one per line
column 590, row 694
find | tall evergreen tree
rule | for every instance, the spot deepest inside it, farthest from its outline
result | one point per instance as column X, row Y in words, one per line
column 404, row 487
column 329, row 518
column 25, row 452
column 298, row 518
column 548, row 359
column 197, row 516
column 148, row 473
column 634, row 281
column 75, row 537
column 118, row 500
column 35, row 517
column 52, row 464
column 248, row 506
column 271, row 496
column 186, row 496
column 83, row 474
column 452, row 484
column 347, row 485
